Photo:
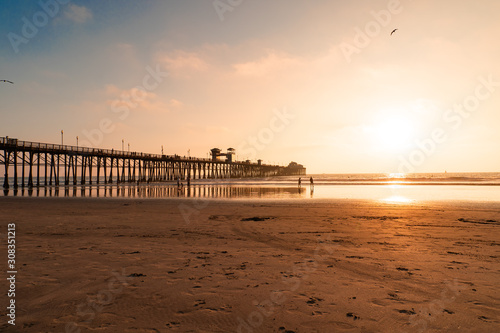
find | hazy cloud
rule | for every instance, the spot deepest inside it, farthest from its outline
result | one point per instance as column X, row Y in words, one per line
column 77, row 14
column 268, row 65
column 181, row 62
column 138, row 100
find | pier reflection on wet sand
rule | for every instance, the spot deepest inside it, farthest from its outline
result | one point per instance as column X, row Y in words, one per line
column 158, row 191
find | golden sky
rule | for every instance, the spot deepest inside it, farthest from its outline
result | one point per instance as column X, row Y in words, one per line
column 322, row 83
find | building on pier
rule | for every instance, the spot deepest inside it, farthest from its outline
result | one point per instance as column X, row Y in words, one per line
column 216, row 154
column 294, row 168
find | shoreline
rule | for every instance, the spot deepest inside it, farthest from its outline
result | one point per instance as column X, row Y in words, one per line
column 140, row 265
column 375, row 192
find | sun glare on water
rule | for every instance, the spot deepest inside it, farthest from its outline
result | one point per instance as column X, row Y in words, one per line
column 397, row 175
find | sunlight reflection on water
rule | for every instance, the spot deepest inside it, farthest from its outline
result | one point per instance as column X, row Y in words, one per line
column 403, row 194
column 398, row 199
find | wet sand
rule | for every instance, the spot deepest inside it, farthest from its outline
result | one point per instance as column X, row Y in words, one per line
column 134, row 265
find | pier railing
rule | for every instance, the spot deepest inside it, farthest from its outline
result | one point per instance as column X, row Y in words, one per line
column 20, row 144
column 29, row 145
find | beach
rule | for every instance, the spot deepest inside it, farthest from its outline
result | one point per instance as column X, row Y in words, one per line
column 132, row 265
column 250, row 166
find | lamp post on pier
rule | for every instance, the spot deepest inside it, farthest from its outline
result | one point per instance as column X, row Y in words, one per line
column 123, row 141
column 62, row 138
column 77, row 141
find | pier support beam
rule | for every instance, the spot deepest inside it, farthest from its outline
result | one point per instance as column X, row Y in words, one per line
column 58, row 167
column 6, row 176
column 15, row 170
column 30, row 175
column 22, row 170
column 91, row 165
column 98, row 169
column 110, row 180
column 45, row 179
column 38, row 170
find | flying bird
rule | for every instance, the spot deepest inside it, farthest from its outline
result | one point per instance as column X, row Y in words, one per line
column 7, row 81
column 393, row 31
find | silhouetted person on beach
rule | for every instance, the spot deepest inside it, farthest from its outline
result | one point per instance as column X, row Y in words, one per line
column 300, row 182
column 312, row 186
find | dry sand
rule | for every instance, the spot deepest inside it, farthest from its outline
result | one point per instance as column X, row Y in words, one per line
column 111, row 265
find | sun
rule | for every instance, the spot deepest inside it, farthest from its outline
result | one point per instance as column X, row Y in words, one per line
column 393, row 134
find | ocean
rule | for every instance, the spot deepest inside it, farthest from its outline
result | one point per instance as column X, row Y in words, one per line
column 390, row 188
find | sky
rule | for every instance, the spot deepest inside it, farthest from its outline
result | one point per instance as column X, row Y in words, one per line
column 323, row 83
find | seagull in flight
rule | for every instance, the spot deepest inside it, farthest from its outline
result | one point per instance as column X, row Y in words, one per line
column 393, row 31
column 7, row 81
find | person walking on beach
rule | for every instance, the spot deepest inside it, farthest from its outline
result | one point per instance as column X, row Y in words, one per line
column 312, row 186
column 300, row 182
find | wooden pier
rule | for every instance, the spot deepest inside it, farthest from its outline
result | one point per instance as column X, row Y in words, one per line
column 43, row 164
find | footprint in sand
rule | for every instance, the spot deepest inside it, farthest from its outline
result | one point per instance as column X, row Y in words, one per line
column 200, row 302
column 352, row 315
column 408, row 312
column 284, row 330
column 257, row 218
column 314, row 300
column 173, row 324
